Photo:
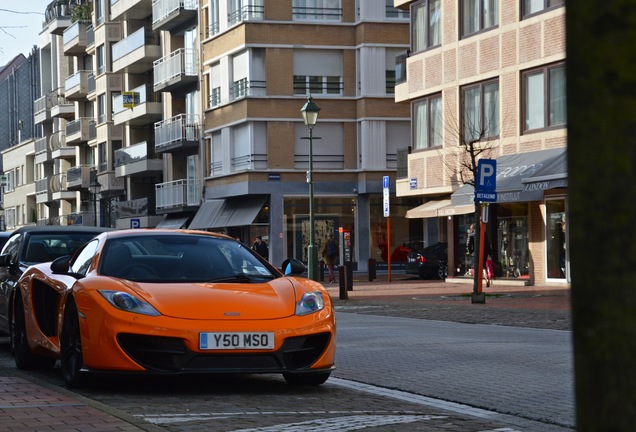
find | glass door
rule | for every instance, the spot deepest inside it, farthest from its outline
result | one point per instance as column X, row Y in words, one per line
column 556, row 239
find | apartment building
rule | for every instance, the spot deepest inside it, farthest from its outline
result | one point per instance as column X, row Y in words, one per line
column 260, row 62
column 490, row 73
column 19, row 85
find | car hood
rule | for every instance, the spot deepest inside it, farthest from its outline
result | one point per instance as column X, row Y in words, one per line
column 271, row 300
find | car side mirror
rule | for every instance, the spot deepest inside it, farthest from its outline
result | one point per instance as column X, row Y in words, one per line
column 61, row 265
column 292, row 266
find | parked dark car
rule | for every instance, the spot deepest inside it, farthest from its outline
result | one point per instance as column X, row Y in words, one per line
column 33, row 245
column 430, row 262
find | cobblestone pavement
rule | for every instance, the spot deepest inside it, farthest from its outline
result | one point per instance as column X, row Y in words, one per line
column 31, row 405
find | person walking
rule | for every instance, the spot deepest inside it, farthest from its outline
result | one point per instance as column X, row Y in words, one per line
column 329, row 253
column 260, row 247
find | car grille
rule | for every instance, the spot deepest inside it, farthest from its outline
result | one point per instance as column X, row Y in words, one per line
column 165, row 354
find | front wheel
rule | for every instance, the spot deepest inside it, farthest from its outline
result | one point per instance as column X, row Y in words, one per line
column 306, row 379
column 442, row 271
column 71, row 358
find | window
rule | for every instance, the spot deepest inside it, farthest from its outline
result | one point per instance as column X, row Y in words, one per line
column 101, row 109
column 103, row 160
column 10, row 181
column 480, row 111
column 530, row 7
column 101, row 59
column 215, row 85
column 244, row 10
column 478, row 15
column 317, row 72
column 425, row 24
column 544, row 98
column 316, row 10
column 427, row 122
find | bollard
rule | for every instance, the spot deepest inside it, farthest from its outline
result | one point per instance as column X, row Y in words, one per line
column 371, row 269
column 342, row 283
column 349, row 272
column 321, row 272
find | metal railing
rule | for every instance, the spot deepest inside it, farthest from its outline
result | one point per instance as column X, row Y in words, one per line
column 246, row 13
column 161, row 9
column 134, row 153
column 180, row 62
column 184, row 127
column 129, row 44
column 178, row 193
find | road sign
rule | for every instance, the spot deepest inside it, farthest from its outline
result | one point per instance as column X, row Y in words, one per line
column 486, row 196
column 385, row 190
column 486, row 180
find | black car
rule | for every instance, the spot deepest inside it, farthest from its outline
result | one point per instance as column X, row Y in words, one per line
column 430, row 262
column 33, row 245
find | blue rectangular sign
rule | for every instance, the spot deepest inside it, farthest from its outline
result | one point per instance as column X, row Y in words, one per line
column 486, row 196
column 486, row 180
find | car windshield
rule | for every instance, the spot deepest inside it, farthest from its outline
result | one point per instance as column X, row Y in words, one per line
column 182, row 258
column 45, row 247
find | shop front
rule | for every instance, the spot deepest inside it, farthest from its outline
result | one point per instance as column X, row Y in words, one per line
column 526, row 232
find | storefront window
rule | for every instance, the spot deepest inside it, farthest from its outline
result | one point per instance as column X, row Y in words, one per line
column 512, row 241
column 329, row 215
column 556, row 239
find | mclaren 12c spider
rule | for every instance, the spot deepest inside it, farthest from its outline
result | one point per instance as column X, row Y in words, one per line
column 172, row 302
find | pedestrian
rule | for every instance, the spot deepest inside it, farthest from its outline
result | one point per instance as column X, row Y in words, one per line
column 260, row 247
column 329, row 253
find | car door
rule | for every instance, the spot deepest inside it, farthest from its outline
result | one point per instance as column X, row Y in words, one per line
column 8, row 266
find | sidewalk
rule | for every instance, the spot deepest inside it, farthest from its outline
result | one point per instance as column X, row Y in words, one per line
column 26, row 404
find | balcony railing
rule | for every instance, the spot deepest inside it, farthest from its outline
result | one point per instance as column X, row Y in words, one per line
column 41, row 145
column 161, row 9
column 134, row 153
column 178, row 193
column 246, row 13
column 243, row 88
column 184, row 127
column 42, row 104
column 90, row 35
column 316, row 13
column 134, row 208
column 180, row 62
column 129, row 44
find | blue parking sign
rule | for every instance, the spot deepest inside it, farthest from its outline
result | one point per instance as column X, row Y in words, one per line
column 486, row 180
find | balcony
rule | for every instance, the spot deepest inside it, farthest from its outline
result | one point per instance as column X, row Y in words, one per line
column 178, row 194
column 111, row 185
column 74, row 38
column 59, row 188
column 178, row 134
column 57, row 18
column 92, row 86
column 121, row 10
column 42, row 191
column 76, row 85
column 79, row 177
column 42, row 150
column 42, row 110
column 248, row 12
column 137, row 213
column 175, row 70
column 172, row 14
column 59, row 149
column 143, row 109
column 60, row 106
column 77, row 131
column 108, row 82
column 136, row 160
column 136, row 53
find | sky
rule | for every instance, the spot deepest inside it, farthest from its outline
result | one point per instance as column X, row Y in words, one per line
column 20, row 26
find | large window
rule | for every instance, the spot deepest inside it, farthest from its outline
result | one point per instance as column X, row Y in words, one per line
column 425, row 24
column 480, row 111
column 317, row 10
column 427, row 122
column 478, row 15
column 317, row 72
column 530, row 7
column 544, row 100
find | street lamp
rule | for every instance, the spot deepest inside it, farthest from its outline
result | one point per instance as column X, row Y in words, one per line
column 1, row 218
column 310, row 115
column 94, row 188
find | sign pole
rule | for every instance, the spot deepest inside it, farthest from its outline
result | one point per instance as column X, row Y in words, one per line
column 385, row 192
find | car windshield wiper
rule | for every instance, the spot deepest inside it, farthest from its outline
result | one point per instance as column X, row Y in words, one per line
column 241, row 277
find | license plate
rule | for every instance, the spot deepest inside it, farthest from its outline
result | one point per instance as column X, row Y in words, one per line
column 233, row 341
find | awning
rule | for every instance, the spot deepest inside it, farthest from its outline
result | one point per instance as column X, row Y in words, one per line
column 173, row 222
column 523, row 177
column 230, row 212
column 428, row 209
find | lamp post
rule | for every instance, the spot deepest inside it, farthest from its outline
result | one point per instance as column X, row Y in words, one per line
column 1, row 218
column 94, row 188
column 310, row 115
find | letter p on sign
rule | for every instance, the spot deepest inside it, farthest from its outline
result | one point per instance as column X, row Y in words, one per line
column 486, row 175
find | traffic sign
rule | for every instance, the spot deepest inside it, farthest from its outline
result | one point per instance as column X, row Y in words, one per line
column 486, row 196
column 385, row 190
column 486, row 180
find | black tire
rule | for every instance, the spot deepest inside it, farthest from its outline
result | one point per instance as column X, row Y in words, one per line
column 306, row 379
column 71, row 358
column 24, row 358
column 442, row 271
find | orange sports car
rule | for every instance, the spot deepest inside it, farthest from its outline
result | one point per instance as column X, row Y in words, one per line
column 172, row 302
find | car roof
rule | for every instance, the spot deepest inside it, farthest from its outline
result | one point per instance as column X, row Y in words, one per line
column 60, row 229
column 156, row 231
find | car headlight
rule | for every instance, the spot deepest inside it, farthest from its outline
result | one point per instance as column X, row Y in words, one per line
column 310, row 303
column 129, row 303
